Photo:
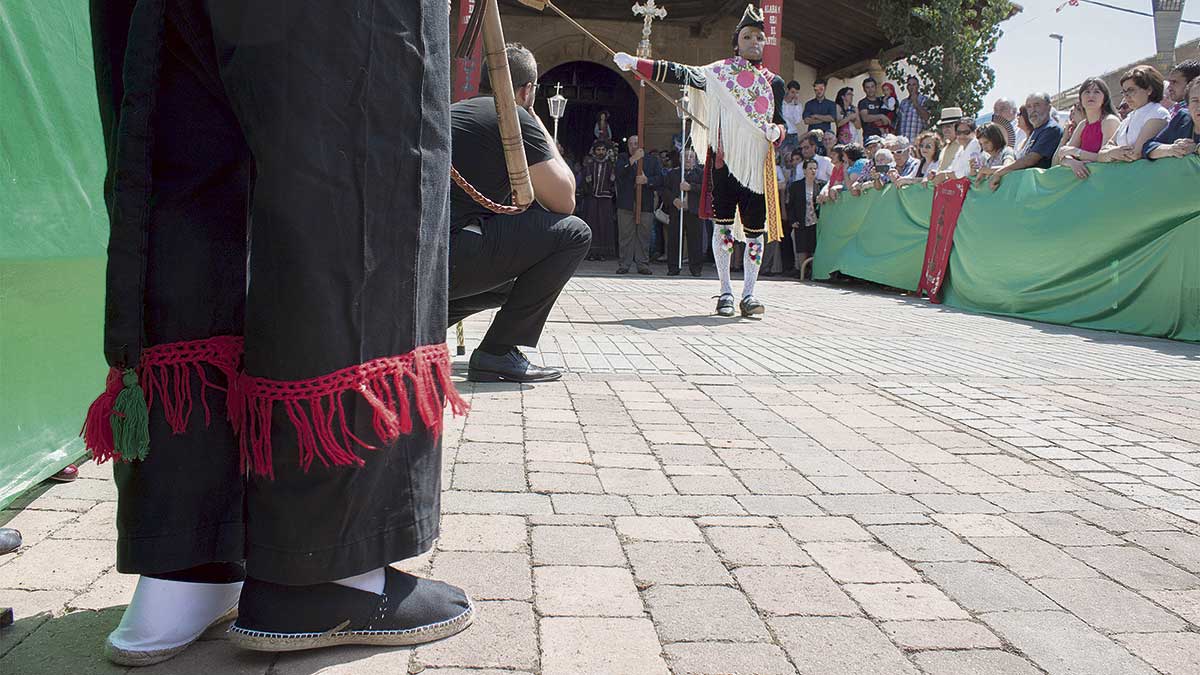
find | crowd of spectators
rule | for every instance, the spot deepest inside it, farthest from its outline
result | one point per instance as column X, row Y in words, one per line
column 839, row 146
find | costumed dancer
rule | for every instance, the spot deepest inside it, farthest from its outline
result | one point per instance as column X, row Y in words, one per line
column 275, row 318
column 741, row 103
column 599, row 184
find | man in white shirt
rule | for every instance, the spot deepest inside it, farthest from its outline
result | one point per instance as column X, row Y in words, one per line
column 793, row 114
column 808, row 149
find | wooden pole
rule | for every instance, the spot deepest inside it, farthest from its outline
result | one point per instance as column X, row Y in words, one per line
column 506, row 106
column 641, row 129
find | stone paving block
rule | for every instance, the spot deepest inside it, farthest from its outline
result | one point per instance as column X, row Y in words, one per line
column 735, row 521
column 905, row 602
column 775, row 482
column 676, row 563
column 1122, row 521
column 910, row 482
column 1063, row 645
column 489, row 477
column 784, row 591
column 588, row 546
column 711, row 658
column 978, row 525
column 502, row 636
column 26, row 604
column 59, row 564
column 822, row 463
column 957, row 503
column 35, row 526
column 635, row 482
column 110, row 590
column 490, row 503
column 482, row 533
column 925, row 543
column 974, row 662
column 874, row 460
column 859, row 562
column 756, row 546
column 624, row 460
column 940, row 635
column 685, row 455
column 219, row 657
column 586, row 591
column 565, row 483
column 844, row 505
column 557, row 451
column 1170, row 653
column 103, row 489
column 741, row 459
column 839, row 645
column 1108, row 606
column 570, row 647
column 1184, row 603
column 982, row 587
column 499, row 453
column 1032, row 558
column 652, row 528
column 708, row 485
column 593, row 505
column 560, row 467
column 825, row 528
column 493, row 433
column 855, row 484
column 686, row 505
column 486, row 576
column 921, row 453
column 599, row 441
column 1063, row 529
column 699, row 613
column 1178, row 547
column 778, row 505
column 66, row 644
column 868, row 519
column 1035, row 502
column 1136, row 568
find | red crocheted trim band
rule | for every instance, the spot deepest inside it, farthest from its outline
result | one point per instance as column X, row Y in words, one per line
column 316, row 407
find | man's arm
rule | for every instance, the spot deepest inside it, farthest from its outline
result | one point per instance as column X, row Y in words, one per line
column 1031, row 159
column 553, row 181
column 920, row 108
column 1174, row 141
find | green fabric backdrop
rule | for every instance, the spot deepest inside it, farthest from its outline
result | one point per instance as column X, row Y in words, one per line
column 1119, row 251
column 53, row 232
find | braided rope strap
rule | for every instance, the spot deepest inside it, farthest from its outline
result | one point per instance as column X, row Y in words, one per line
column 317, row 408
column 482, row 200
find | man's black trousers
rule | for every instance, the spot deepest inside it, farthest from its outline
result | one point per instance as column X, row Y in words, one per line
column 519, row 263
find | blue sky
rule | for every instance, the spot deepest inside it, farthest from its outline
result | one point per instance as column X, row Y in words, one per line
column 1096, row 40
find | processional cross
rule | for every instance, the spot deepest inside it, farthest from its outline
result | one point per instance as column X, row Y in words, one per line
column 649, row 11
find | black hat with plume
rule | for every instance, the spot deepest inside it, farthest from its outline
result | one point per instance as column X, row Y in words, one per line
column 750, row 18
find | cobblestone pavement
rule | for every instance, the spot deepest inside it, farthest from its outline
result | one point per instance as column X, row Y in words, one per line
column 861, row 483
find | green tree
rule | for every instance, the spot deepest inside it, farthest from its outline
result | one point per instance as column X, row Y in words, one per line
column 948, row 43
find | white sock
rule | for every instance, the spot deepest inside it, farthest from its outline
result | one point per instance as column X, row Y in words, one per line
column 167, row 614
column 752, row 261
column 371, row 582
column 722, row 243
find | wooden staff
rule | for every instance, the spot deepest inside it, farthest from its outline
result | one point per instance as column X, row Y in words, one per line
column 637, row 192
column 506, row 105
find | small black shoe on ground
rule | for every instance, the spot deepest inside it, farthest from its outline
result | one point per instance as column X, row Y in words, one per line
column 672, row 273
column 725, row 305
column 645, row 270
column 509, row 367
column 622, row 270
column 10, row 540
column 696, row 271
column 752, row 308
column 411, row 610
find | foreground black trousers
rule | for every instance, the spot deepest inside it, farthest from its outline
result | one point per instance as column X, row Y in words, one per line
column 279, row 189
column 520, row 264
column 731, row 197
column 693, row 233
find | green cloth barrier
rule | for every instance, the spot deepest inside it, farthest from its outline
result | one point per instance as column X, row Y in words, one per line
column 1119, row 251
column 53, row 233
column 878, row 236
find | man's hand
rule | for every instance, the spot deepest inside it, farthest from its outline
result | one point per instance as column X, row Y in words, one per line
column 641, row 179
column 1078, row 166
column 637, row 155
column 893, row 175
column 774, row 132
column 994, row 182
column 625, row 61
column 795, row 226
column 685, row 186
column 1182, row 147
column 1120, row 153
column 678, row 203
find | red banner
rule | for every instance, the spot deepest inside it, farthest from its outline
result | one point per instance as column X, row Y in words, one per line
column 467, row 71
column 773, row 26
column 947, row 205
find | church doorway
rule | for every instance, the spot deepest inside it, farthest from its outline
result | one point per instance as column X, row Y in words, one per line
column 589, row 88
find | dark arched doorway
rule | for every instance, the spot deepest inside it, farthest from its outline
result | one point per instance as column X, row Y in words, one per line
column 589, row 88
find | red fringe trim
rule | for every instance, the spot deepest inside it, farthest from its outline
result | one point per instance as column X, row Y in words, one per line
column 164, row 372
column 316, row 407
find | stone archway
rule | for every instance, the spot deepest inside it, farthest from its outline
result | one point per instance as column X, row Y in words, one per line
column 589, row 89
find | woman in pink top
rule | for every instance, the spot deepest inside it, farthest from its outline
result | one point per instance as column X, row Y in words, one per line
column 1097, row 130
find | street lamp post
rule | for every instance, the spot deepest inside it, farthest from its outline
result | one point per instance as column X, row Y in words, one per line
column 1056, row 36
column 682, row 111
column 558, row 106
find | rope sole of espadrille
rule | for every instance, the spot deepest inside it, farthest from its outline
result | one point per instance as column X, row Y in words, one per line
column 288, row 642
column 137, row 659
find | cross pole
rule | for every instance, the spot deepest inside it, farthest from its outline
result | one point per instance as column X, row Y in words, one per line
column 649, row 11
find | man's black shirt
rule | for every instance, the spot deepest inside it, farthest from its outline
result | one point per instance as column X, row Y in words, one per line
column 479, row 156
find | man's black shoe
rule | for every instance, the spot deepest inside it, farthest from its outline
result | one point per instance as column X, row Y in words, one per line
column 10, row 540
column 511, row 367
column 752, row 308
column 725, row 305
column 411, row 610
column 696, row 271
column 622, row 270
column 672, row 273
column 645, row 270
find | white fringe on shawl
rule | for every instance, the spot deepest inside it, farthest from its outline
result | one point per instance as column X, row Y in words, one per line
column 729, row 129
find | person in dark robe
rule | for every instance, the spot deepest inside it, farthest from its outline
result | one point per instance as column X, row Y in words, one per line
column 688, row 183
column 275, row 321
column 599, row 185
